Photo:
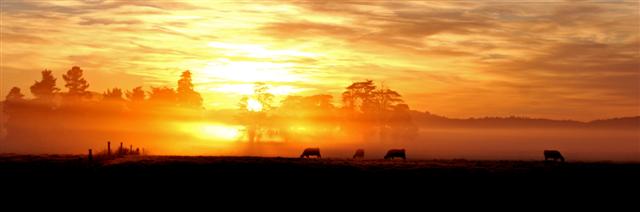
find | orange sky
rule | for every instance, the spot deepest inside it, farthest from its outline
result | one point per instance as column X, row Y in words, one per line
column 575, row 60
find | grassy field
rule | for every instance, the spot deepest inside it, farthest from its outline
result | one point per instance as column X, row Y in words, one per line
column 275, row 167
column 315, row 180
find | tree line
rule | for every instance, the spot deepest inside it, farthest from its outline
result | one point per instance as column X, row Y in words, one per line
column 375, row 112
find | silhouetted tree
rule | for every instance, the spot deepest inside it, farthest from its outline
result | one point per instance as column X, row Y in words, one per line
column 15, row 108
column 366, row 103
column 401, row 123
column 113, row 102
column 136, row 95
column 45, row 89
column 186, row 96
column 76, row 84
column 136, row 98
column 321, row 101
column 32, row 126
column 384, row 102
column 164, row 96
column 261, row 95
column 385, row 99
column 255, row 120
column 13, row 100
column 114, row 94
column 14, row 95
column 359, row 96
column 307, row 106
column 301, row 112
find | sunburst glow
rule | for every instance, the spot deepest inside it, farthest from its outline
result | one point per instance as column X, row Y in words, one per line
column 454, row 59
column 211, row 131
column 220, row 131
column 250, row 71
column 271, row 78
column 254, row 105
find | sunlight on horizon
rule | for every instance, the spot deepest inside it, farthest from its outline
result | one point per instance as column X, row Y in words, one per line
column 458, row 60
column 447, row 79
column 212, row 131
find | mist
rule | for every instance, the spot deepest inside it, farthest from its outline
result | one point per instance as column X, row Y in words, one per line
column 470, row 144
column 167, row 121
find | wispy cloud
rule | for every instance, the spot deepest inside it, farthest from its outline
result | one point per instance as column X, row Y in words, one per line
column 460, row 58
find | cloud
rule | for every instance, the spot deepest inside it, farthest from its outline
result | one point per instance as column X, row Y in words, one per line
column 451, row 57
column 22, row 38
column 94, row 21
column 305, row 29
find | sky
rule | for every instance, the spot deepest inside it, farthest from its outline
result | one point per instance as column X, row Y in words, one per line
column 549, row 59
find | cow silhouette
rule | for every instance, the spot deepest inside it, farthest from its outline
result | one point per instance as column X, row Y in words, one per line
column 359, row 154
column 310, row 152
column 553, row 155
column 395, row 153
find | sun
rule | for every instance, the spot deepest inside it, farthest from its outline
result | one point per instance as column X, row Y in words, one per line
column 254, row 105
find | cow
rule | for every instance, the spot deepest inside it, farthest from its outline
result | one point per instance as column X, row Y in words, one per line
column 395, row 153
column 310, row 152
column 553, row 154
column 359, row 154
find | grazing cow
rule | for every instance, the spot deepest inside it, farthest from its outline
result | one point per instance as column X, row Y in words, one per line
column 553, row 154
column 359, row 154
column 310, row 152
column 396, row 153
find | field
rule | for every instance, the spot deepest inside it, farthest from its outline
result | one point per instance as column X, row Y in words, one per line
column 75, row 166
column 315, row 179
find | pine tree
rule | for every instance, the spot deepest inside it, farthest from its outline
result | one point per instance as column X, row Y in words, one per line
column 76, row 84
column 14, row 95
column 114, row 94
column 136, row 95
column 186, row 96
column 45, row 89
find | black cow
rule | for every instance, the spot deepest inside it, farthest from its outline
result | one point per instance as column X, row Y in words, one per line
column 310, row 152
column 553, row 154
column 359, row 154
column 396, row 153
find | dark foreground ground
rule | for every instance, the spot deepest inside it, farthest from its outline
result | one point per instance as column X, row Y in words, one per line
column 339, row 178
column 131, row 167
column 327, row 180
